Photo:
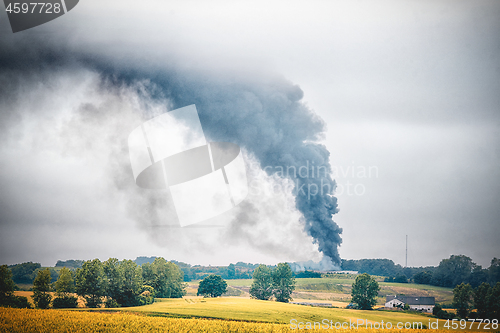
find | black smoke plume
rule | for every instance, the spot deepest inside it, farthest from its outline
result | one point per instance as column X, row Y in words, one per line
column 263, row 114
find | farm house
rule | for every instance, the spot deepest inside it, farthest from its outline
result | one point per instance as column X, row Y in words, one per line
column 417, row 303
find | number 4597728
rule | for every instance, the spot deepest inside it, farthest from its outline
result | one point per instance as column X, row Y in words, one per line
column 462, row 324
column 43, row 8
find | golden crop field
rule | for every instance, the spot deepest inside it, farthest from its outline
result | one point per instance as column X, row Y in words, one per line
column 238, row 309
column 252, row 310
column 41, row 321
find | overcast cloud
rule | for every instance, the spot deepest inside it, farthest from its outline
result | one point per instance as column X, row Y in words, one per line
column 407, row 89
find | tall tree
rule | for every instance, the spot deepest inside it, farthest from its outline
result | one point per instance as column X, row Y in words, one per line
column 41, row 288
column 494, row 302
column 462, row 296
column 176, row 284
column 165, row 277
column 64, row 287
column 91, row 283
column 148, row 274
column 494, row 271
column 114, row 278
column 65, row 283
column 131, row 285
column 231, row 271
column 262, row 285
column 212, row 285
column 364, row 291
column 478, row 276
column 6, row 285
column 283, row 283
column 481, row 294
column 453, row 271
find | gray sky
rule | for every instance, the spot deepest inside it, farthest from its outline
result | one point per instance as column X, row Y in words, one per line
column 409, row 90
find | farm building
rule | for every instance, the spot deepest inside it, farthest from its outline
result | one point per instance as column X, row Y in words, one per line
column 418, row 303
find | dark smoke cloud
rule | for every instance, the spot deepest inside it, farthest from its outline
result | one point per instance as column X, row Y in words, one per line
column 263, row 114
column 268, row 119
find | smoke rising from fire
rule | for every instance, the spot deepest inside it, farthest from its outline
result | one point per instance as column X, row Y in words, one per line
column 263, row 114
column 267, row 118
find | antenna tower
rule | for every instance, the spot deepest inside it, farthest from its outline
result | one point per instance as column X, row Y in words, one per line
column 406, row 256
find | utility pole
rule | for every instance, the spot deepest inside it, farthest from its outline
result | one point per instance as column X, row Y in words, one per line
column 406, row 256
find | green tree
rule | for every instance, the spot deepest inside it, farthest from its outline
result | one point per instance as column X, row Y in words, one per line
column 462, row 299
column 165, row 277
column 453, row 271
column 64, row 287
column 131, row 286
column 231, row 271
column 65, row 283
column 283, row 283
column 90, row 282
column 148, row 275
column 41, row 288
column 481, row 294
column 53, row 274
column 7, row 286
column 423, row 277
column 213, row 286
column 262, row 285
column 25, row 272
column 69, row 263
column 494, row 302
column 438, row 311
column 161, row 277
column 364, row 291
column 401, row 278
column 114, row 279
column 176, row 285
column 494, row 271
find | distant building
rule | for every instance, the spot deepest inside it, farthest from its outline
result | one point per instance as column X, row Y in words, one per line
column 417, row 303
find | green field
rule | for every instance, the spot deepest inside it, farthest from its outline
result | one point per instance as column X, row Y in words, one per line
column 235, row 308
column 337, row 288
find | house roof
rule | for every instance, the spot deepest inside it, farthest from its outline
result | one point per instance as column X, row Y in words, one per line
column 412, row 300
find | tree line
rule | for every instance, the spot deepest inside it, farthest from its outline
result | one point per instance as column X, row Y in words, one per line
column 485, row 299
column 449, row 273
column 25, row 273
column 240, row 270
column 268, row 282
column 113, row 283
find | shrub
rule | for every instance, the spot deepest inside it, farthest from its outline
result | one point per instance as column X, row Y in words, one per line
column 111, row 303
column 65, row 302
